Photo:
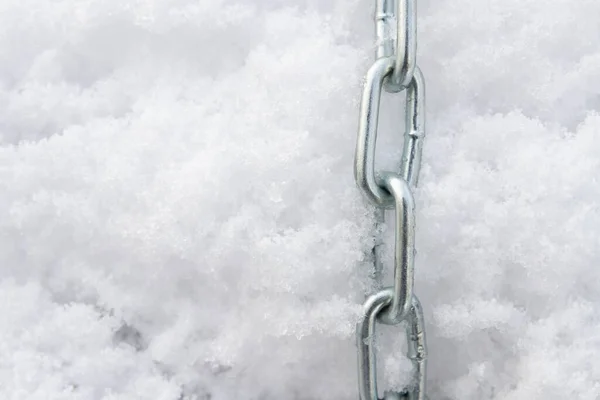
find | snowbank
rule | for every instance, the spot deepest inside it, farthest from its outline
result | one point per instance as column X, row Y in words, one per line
column 178, row 217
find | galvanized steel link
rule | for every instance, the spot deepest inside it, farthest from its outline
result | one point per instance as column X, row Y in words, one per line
column 404, row 249
column 396, row 30
column 364, row 160
column 365, row 342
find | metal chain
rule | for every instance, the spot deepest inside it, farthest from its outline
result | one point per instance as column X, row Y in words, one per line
column 395, row 69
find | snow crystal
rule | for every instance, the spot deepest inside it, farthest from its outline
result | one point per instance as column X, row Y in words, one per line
column 179, row 221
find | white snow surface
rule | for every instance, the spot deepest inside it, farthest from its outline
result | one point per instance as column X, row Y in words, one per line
column 179, row 219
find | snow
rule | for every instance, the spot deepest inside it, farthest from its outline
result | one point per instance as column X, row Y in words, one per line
column 179, row 221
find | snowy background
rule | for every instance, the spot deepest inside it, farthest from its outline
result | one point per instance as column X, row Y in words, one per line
column 178, row 215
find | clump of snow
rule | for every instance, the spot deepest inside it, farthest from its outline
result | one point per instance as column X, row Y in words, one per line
column 178, row 217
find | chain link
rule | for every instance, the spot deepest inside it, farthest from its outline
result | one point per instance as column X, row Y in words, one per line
column 395, row 70
column 415, row 338
column 364, row 165
column 396, row 26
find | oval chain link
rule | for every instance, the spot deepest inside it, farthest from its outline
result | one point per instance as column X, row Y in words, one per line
column 415, row 338
column 364, row 160
column 404, row 251
column 395, row 70
column 396, row 26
